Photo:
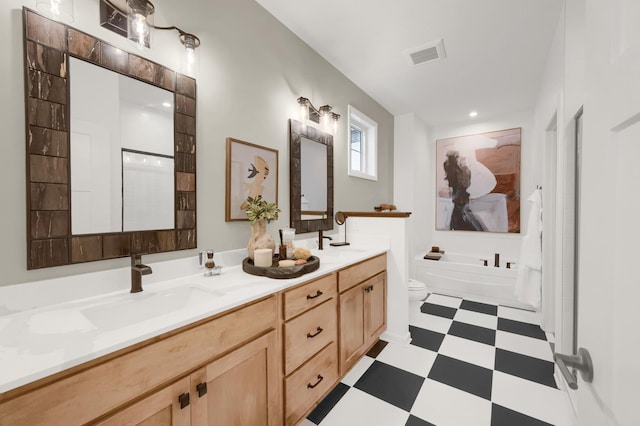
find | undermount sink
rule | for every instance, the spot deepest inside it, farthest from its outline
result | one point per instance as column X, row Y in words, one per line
column 337, row 252
column 128, row 309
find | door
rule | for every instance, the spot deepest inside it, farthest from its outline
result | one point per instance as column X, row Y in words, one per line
column 241, row 388
column 375, row 312
column 167, row 407
column 608, row 316
column 352, row 337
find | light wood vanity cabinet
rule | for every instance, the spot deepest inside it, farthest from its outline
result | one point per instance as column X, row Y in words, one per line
column 363, row 309
column 235, row 389
column 146, row 384
column 267, row 363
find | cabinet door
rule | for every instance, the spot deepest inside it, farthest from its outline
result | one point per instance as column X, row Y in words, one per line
column 375, row 302
column 241, row 388
column 352, row 335
column 167, row 407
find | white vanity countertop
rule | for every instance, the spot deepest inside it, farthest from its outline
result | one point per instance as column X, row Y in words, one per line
column 36, row 343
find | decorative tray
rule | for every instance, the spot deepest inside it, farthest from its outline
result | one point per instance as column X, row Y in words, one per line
column 278, row 272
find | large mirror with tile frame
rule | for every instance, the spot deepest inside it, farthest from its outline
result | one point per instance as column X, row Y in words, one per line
column 311, row 178
column 52, row 241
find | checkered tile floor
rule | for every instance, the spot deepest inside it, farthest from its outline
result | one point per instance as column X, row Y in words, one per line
column 469, row 363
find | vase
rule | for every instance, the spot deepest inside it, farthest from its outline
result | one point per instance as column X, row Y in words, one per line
column 260, row 238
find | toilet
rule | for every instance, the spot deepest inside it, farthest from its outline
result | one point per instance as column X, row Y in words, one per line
column 417, row 291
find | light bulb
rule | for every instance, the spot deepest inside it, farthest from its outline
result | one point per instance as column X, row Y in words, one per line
column 190, row 59
column 140, row 26
column 190, row 54
column 304, row 113
column 139, row 23
column 59, row 10
column 55, row 7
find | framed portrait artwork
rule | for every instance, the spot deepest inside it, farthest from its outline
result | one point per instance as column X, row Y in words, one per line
column 478, row 182
column 251, row 171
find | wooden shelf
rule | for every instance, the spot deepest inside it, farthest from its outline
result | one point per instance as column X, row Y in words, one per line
column 377, row 214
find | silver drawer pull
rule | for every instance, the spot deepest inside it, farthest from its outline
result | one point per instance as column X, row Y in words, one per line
column 311, row 386
column 318, row 331
column 581, row 362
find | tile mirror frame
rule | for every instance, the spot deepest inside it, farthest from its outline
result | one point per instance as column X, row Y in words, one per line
column 296, row 132
column 50, row 242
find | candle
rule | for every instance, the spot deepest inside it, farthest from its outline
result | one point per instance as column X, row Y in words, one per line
column 262, row 257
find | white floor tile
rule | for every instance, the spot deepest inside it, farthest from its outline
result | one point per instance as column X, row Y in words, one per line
column 476, row 318
column 430, row 322
column 550, row 337
column 360, row 408
column 518, row 315
column 524, row 345
column 440, row 299
column 409, row 358
column 469, row 351
column 444, row 405
column 533, row 399
column 357, row 370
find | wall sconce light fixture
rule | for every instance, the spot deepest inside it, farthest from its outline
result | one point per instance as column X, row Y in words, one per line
column 322, row 116
column 136, row 23
column 140, row 22
column 59, row 10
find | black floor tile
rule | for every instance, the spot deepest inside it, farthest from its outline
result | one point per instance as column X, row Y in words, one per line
column 462, row 375
column 483, row 308
column 501, row 416
column 391, row 384
column 426, row 339
column 522, row 328
column 439, row 310
column 473, row 332
column 327, row 404
column 526, row 367
column 376, row 349
column 416, row 421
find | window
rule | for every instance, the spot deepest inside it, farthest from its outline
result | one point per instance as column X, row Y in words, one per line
column 363, row 132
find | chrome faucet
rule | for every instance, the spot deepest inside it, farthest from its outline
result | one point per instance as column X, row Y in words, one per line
column 321, row 238
column 137, row 271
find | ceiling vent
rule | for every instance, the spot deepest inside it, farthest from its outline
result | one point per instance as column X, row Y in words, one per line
column 427, row 53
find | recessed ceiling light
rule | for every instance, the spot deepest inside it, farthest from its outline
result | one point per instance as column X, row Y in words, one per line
column 473, row 114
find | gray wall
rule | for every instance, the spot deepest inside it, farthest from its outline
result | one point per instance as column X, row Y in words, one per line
column 252, row 69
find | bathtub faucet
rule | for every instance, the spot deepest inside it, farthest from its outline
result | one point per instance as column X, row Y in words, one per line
column 496, row 260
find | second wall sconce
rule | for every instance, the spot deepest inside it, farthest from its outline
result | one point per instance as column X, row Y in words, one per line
column 322, row 116
column 137, row 24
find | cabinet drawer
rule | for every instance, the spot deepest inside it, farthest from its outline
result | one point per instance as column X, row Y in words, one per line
column 305, row 335
column 353, row 275
column 308, row 385
column 309, row 295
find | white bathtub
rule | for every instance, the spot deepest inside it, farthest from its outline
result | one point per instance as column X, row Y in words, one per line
column 465, row 276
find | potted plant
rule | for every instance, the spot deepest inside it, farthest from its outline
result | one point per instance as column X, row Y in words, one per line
column 260, row 212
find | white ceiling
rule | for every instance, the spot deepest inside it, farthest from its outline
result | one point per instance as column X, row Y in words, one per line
column 496, row 50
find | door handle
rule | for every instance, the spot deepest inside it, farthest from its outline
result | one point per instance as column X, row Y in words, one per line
column 581, row 362
column 318, row 294
column 183, row 399
column 202, row 389
column 311, row 386
column 318, row 331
